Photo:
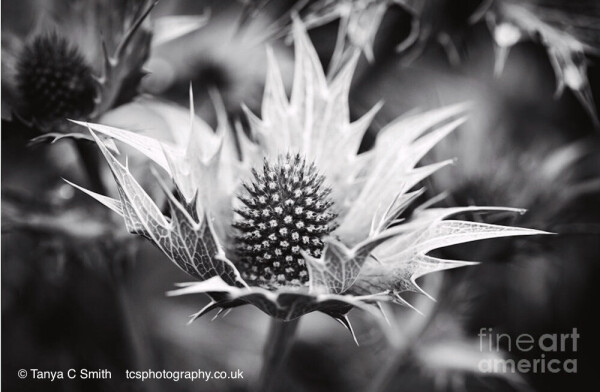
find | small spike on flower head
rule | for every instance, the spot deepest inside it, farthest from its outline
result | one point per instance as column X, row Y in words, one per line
column 286, row 211
column 54, row 80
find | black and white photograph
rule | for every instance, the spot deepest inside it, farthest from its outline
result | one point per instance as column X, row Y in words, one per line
column 300, row 195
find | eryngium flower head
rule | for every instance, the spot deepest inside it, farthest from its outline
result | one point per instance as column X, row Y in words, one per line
column 81, row 59
column 300, row 205
column 286, row 211
column 55, row 80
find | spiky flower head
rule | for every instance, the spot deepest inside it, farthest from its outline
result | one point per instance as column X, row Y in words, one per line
column 55, row 80
column 286, row 211
column 300, row 167
column 82, row 59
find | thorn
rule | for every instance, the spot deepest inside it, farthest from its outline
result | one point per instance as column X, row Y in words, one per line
column 167, row 191
column 373, row 228
column 221, row 112
column 107, row 62
column 192, row 110
column 346, row 323
column 402, row 301
column 217, row 314
column 338, row 51
column 371, row 255
column 421, row 291
column 434, row 200
column 202, row 312
column 383, row 313
column 129, row 35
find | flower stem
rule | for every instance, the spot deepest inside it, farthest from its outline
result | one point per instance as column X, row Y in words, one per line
column 277, row 347
column 413, row 331
column 384, row 378
column 141, row 357
column 90, row 159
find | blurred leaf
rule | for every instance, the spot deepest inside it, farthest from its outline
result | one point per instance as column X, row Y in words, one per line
column 169, row 28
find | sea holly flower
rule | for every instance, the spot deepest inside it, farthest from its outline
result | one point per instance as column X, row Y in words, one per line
column 82, row 59
column 78, row 62
column 298, row 221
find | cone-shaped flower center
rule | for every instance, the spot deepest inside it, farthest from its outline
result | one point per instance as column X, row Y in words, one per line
column 54, row 80
column 286, row 211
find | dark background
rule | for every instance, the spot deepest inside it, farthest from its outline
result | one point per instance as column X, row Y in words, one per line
column 97, row 304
